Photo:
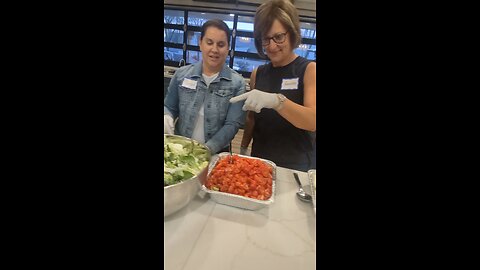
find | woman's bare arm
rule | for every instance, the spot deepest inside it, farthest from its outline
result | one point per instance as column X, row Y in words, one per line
column 304, row 117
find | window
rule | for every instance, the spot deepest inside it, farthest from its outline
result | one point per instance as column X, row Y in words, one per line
column 193, row 38
column 245, row 44
column 245, row 55
column 246, row 64
column 194, row 56
column 307, row 51
column 172, row 54
column 199, row 18
column 173, row 36
column 308, row 30
column 173, row 17
column 245, row 24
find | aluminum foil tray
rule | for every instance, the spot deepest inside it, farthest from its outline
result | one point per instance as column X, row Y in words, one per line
column 312, row 179
column 237, row 200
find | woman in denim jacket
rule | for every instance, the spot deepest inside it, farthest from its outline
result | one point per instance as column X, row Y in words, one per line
column 198, row 95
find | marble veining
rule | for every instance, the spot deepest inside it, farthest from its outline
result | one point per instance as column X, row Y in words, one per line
column 211, row 236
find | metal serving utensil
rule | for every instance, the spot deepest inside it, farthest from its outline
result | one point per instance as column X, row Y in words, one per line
column 301, row 194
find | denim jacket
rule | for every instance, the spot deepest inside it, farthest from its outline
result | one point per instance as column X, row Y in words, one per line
column 222, row 118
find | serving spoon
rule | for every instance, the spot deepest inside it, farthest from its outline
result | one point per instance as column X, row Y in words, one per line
column 230, row 149
column 305, row 197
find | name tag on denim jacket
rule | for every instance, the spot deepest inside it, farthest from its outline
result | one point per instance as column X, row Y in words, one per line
column 289, row 84
column 191, row 84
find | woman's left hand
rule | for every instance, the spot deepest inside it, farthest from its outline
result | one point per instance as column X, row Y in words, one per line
column 256, row 100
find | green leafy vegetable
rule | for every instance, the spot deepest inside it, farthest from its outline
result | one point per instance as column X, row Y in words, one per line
column 182, row 159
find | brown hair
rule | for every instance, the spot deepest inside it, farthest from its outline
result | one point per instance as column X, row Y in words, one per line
column 282, row 10
column 218, row 24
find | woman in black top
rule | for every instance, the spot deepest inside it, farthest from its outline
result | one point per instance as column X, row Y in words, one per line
column 285, row 130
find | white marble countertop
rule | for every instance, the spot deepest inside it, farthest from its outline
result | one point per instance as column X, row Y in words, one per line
column 207, row 235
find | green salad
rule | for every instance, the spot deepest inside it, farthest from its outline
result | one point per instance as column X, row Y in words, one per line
column 182, row 159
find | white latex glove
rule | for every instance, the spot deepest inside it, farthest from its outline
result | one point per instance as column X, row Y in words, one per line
column 256, row 100
column 168, row 127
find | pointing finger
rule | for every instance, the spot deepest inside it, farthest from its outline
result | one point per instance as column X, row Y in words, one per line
column 239, row 98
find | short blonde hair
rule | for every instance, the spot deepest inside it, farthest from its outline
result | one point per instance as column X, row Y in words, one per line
column 282, row 10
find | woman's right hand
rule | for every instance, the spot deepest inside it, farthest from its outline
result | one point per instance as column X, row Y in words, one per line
column 256, row 100
column 168, row 126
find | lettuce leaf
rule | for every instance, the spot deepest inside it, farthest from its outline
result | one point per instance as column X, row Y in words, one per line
column 182, row 159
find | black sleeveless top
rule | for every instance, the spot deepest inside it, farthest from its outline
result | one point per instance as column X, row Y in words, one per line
column 274, row 138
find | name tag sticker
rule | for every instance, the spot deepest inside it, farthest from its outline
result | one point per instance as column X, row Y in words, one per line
column 190, row 84
column 289, row 84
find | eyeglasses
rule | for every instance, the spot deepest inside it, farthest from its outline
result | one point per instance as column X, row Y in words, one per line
column 278, row 38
